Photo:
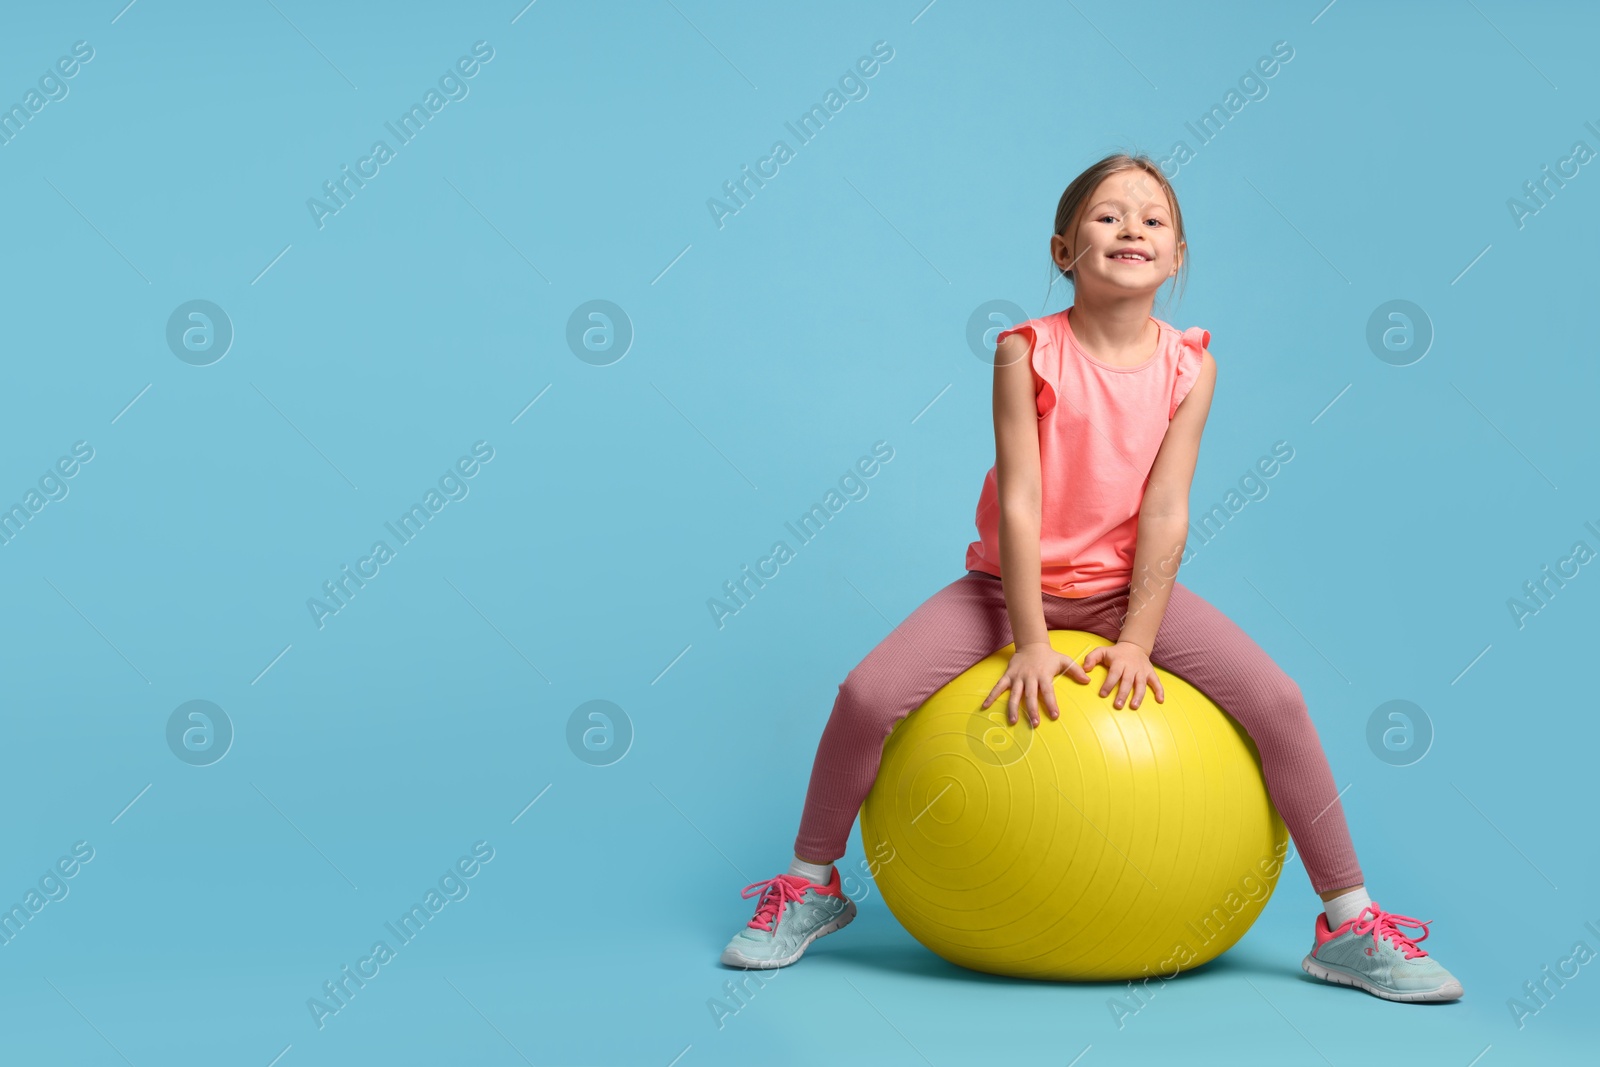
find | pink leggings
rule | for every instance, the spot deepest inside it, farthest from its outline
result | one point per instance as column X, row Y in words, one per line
column 967, row 620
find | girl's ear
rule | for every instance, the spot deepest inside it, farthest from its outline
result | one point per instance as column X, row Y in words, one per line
column 1061, row 251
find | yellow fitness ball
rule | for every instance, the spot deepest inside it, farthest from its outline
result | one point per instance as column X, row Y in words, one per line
column 1108, row 844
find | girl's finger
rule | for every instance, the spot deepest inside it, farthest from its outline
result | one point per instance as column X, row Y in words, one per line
column 1033, row 702
column 1138, row 692
column 999, row 687
column 1161, row 692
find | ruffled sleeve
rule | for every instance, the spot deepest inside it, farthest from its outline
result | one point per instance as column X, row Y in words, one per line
column 1040, row 358
column 1191, row 356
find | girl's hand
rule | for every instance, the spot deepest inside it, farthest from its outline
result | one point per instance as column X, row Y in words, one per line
column 1128, row 668
column 1032, row 673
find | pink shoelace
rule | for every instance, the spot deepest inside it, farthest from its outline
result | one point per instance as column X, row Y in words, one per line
column 779, row 891
column 1382, row 924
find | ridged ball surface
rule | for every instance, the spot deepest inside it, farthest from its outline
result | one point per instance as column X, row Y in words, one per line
column 1109, row 844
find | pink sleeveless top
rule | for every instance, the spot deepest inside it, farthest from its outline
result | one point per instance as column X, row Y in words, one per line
column 1100, row 427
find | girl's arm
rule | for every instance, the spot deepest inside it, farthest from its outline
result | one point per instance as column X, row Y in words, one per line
column 1164, row 513
column 1030, row 675
column 1017, row 477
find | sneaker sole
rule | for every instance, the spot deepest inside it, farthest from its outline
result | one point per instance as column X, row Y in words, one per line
column 735, row 959
column 1450, row 990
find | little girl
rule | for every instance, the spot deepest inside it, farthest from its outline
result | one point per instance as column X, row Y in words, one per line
column 1098, row 413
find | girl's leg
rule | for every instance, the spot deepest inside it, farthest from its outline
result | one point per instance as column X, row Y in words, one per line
column 953, row 629
column 1204, row 647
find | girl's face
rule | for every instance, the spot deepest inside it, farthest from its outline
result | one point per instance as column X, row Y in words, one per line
column 1124, row 241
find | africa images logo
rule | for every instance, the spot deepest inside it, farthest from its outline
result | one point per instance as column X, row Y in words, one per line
column 453, row 86
column 452, row 886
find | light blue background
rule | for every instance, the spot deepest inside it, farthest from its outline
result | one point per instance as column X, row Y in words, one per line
column 825, row 316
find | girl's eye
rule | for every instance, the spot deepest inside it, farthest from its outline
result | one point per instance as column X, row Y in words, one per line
column 1154, row 220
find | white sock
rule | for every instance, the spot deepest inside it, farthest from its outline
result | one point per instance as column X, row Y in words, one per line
column 811, row 872
column 1346, row 906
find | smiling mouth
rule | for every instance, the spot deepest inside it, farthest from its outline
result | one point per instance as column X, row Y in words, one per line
column 1129, row 257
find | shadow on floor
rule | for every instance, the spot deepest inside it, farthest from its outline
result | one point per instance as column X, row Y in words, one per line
column 893, row 950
